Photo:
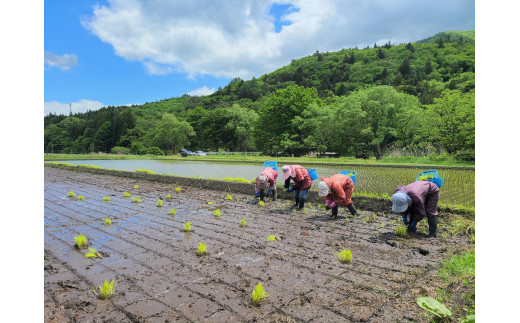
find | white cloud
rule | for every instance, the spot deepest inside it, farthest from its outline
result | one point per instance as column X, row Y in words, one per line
column 201, row 91
column 64, row 62
column 238, row 38
column 76, row 107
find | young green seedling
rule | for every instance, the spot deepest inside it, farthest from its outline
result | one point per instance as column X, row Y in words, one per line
column 243, row 223
column 271, row 238
column 168, row 196
column 258, row 295
column 136, row 186
column 126, row 194
column 106, row 198
column 382, row 224
column 228, row 197
column 177, row 189
column 106, row 290
column 107, row 221
column 172, row 212
column 81, row 198
column 81, row 241
column 210, row 203
column 217, row 213
column 187, row 227
column 93, row 253
column 201, row 250
column 401, row 231
column 261, row 203
column 136, row 199
column 159, row 202
column 71, row 194
column 344, row 255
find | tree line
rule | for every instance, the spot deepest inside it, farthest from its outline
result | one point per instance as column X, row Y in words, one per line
column 347, row 102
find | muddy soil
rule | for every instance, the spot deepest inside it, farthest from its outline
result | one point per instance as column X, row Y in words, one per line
column 159, row 278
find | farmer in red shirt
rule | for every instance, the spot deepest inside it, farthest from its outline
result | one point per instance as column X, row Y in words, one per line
column 302, row 182
column 266, row 179
column 337, row 190
column 417, row 200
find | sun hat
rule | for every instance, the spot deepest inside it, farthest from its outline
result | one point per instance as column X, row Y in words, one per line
column 286, row 172
column 262, row 182
column 323, row 189
column 400, row 201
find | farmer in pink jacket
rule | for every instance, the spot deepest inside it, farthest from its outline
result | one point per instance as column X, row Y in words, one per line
column 337, row 191
column 415, row 201
column 266, row 179
column 301, row 183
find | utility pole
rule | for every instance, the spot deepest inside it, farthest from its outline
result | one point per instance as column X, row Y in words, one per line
column 70, row 109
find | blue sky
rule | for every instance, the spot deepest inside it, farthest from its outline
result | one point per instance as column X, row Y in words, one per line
column 120, row 52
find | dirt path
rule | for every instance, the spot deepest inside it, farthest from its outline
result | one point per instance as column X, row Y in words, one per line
column 159, row 278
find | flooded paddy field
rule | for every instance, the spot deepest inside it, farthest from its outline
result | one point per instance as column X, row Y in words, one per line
column 159, row 278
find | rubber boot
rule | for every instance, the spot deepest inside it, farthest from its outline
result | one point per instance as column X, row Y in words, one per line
column 352, row 209
column 335, row 212
column 273, row 192
column 297, row 201
column 301, row 204
column 262, row 195
column 412, row 227
column 432, row 224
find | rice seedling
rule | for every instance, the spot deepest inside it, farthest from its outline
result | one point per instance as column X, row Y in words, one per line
column 106, row 290
column 271, row 238
column 81, row 198
column 210, row 203
column 168, row 196
column 81, row 241
column 201, row 250
column 382, row 224
column 136, row 186
column 172, row 212
column 93, row 253
column 243, row 223
column 367, row 219
column 106, row 198
column 383, row 214
column 401, row 231
column 228, row 197
column 346, row 218
column 126, row 194
column 217, row 213
column 136, row 199
column 107, row 221
column 187, row 227
column 177, row 189
column 258, row 295
column 159, row 203
column 344, row 255
column 393, row 222
column 444, row 235
column 261, row 203
column 71, row 194
column 374, row 216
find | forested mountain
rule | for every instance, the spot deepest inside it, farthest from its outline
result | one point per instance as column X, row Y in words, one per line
column 354, row 100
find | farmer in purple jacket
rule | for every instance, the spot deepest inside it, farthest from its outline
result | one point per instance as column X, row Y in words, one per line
column 417, row 200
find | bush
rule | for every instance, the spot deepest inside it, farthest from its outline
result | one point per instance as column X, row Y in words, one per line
column 156, row 151
column 467, row 154
column 120, row 150
column 138, row 148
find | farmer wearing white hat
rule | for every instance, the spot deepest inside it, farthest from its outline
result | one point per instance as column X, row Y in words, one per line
column 301, row 183
column 266, row 180
column 415, row 201
column 337, row 190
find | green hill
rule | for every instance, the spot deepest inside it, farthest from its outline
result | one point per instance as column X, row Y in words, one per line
column 226, row 119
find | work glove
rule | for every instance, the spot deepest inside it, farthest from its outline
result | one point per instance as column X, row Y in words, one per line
column 289, row 189
column 268, row 191
column 257, row 194
column 405, row 218
column 333, row 204
column 327, row 202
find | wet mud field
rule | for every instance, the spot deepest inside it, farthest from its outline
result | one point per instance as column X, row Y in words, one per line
column 159, row 278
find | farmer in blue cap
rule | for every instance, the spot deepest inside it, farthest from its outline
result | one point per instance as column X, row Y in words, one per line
column 415, row 201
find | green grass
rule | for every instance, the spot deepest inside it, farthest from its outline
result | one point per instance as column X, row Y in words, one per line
column 344, row 256
column 105, row 291
column 258, row 295
column 461, row 226
column 459, row 266
column 81, row 241
column 202, row 249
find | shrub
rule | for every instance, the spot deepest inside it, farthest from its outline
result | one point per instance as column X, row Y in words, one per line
column 156, row 151
column 138, row 148
column 81, row 241
column 258, row 294
column 106, row 290
column 120, row 150
column 344, row 255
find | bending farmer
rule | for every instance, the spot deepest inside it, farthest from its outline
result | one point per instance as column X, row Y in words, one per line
column 302, row 182
column 415, row 201
column 266, row 179
column 337, row 191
